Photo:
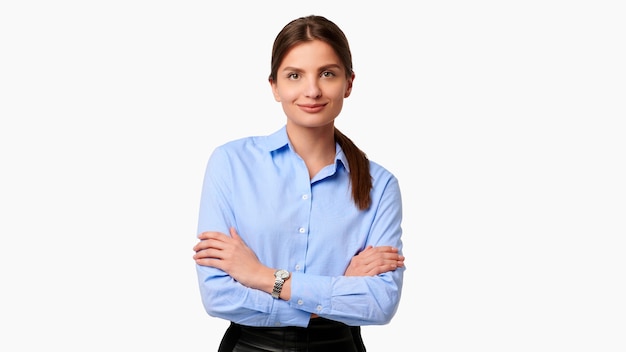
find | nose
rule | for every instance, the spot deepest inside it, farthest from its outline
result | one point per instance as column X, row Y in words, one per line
column 312, row 89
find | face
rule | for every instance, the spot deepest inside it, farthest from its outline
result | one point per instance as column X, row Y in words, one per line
column 311, row 84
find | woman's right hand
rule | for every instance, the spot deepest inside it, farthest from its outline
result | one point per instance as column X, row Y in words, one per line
column 375, row 260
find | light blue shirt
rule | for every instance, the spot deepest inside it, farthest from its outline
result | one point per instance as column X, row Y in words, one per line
column 310, row 227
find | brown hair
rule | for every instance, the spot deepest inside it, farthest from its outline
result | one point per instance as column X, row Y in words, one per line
column 319, row 28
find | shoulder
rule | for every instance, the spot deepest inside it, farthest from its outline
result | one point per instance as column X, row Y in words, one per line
column 231, row 151
column 252, row 144
column 380, row 172
column 248, row 151
column 383, row 180
column 385, row 186
column 236, row 144
column 241, row 145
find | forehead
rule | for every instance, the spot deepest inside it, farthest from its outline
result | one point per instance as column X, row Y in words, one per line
column 313, row 53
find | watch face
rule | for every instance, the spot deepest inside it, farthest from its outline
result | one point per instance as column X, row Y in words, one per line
column 283, row 274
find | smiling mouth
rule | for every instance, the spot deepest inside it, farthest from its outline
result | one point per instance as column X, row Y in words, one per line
column 312, row 107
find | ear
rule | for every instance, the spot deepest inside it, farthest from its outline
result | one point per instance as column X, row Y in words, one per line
column 349, row 86
column 274, row 90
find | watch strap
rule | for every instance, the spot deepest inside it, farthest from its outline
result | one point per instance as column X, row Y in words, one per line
column 281, row 275
column 278, row 287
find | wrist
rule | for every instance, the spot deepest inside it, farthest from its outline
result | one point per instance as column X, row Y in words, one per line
column 280, row 278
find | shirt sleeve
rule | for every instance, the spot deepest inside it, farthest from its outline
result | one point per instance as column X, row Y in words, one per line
column 356, row 300
column 222, row 296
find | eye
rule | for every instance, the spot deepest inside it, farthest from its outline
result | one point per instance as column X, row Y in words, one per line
column 293, row 76
column 328, row 74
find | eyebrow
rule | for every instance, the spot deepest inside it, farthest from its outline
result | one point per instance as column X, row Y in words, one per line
column 323, row 68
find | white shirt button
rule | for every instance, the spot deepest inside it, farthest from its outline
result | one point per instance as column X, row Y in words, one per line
column 302, row 230
column 305, row 196
column 298, row 267
column 318, row 308
column 300, row 302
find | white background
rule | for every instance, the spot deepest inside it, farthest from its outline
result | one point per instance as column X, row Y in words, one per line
column 503, row 121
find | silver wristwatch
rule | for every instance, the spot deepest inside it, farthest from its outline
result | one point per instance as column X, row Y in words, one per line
column 281, row 275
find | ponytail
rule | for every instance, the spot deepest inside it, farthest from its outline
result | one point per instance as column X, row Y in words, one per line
column 360, row 178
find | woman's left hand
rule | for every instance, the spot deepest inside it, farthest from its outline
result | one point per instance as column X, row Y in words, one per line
column 375, row 260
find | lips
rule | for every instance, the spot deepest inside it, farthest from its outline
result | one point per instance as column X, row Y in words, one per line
column 311, row 108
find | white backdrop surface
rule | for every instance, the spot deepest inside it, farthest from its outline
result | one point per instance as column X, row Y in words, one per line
column 503, row 121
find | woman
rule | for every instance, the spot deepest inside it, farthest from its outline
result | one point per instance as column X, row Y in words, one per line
column 300, row 234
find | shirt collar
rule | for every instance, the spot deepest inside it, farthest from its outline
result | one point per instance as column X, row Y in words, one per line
column 279, row 140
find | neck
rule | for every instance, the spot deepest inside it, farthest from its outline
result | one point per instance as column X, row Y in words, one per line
column 315, row 146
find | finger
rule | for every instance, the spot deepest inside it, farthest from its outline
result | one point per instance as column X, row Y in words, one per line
column 211, row 253
column 234, row 234
column 214, row 263
column 375, row 251
column 211, row 235
column 378, row 254
column 387, row 249
column 208, row 244
column 206, row 235
column 384, row 265
column 203, row 244
column 385, row 268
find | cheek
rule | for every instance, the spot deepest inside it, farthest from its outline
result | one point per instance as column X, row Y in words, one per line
column 339, row 93
column 287, row 95
column 275, row 92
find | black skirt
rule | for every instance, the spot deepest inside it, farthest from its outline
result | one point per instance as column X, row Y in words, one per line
column 322, row 335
